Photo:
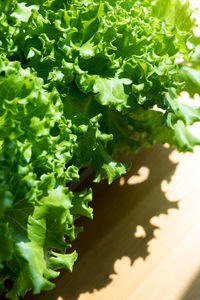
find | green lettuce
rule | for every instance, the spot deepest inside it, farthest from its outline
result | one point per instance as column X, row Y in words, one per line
column 80, row 83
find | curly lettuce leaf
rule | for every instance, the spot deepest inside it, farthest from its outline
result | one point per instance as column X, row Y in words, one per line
column 191, row 76
column 80, row 83
column 177, row 12
column 37, row 212
column 180, row 14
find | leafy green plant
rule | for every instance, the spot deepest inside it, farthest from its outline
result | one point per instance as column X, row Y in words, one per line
column 81, row 82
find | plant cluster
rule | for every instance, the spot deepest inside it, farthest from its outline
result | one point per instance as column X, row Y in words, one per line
column 80, row 83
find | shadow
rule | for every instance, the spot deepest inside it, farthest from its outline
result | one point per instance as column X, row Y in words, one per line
column 121, row 226
column 193, row 292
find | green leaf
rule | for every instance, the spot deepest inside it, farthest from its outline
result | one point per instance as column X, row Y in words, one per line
column 36, row 209
column 185, row 140
column 111, row 92
column 6, row 250
column 58, row 260
column 188, row 114
column 80, row 204
column 22, row 12
column 191, row 77
column 81, row 83
column 178, row 117
column 105, row 166
column 176, row 11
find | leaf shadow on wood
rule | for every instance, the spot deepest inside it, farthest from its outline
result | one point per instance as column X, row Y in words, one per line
column 118, row 210
column 193, row 291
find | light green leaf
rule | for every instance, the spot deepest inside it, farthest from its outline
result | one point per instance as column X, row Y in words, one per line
column 57, row 260
column 185, row 140
column 177, row 12
column 191, row 77
column 188, row 114
column 111, row 92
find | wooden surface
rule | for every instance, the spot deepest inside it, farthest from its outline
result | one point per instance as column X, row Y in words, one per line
column 144, row 241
